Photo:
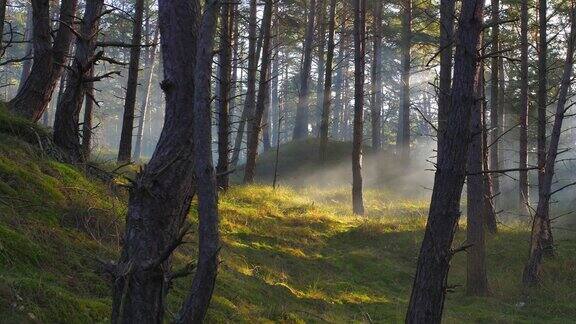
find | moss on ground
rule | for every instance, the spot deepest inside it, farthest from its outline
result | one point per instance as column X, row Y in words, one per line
column 288, row 256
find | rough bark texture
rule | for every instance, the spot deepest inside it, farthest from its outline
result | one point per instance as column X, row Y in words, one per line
column 249, row 101
column 430, row 282
column 66, row 120
column 523, row 141
column 446, row 48
column 49, row 59
column 359, row 63
column 325, row 120
column 256, row 122
column 160, row 198
column 145, row 98
column 476, row 280
column 198, row 300
column 302, row 109
column 495, row 96
column 125, row 148
column 321, row 41
column 223, row 100
column 376, row 102
column 403, row 136
column 541, row 242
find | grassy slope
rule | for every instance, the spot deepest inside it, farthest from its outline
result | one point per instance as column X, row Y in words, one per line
column 287, row 256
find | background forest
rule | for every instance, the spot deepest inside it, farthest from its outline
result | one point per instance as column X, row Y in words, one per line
column 287, row 161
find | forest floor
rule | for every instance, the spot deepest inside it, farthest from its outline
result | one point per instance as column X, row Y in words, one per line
column 289, row 255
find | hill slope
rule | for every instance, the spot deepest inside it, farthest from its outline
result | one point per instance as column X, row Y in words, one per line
column 287, row 256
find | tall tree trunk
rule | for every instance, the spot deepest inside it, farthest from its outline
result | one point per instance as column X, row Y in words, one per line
column 27, row 64
column 476, row 279
column 542, row 98
column 125, row 148
column 446, row 49
column 540, row 243
column 66, row 120
column 359, row 63
column 49, row 59
column 274, row 100
column 266, row 144
column 302, row 110
column 342, row 63
column 160, row 198
column 89, row 102
column 523, row 152
column 376, row 101
column 145, row 97
column 403, row 141
column 321, row 41
column 495, row 95
column 225, row 67
column 429, row 287
column 256, row 122
column 325, row 120
column 249, row 102
column 198, row 300
column 2, row 18
column 491, row 223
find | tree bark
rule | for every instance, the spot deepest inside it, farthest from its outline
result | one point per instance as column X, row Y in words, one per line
column 256, row 122
column 66, row 120
column 125, row 148
column 429, row 287
column 249, row 101
column 523, row 141
column 198, row 300
column 274, row 99
column 325, row 120
column 376, row 101
column 403, row 141
column 27, row 64
column 446, row 49
column 49, row 59
column 339, row 82
column 476, row 279
column 160, row 198
column 495, row 96
column 302, row 109
column 225, row 70
column 541, row 242
column 2, row 18
column 321, row 41
column 359, row 63
column 145, row 98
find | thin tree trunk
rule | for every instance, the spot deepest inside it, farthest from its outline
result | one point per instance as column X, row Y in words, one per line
column 125, row 148
column 523, row 151
column 274, row 100
column 359, row 63
column 495, row 96
column 66, row 120
column 302, row 110
column 376, row 101
column 256, row 122
column 49, row 59
column 225, row 66
column 160, row 198
column 403, row 141
column 339, row 82
column 2, row 18
column 89, row 102
column 321, row 37
column 540, row 243
column 446, row 49
column 249, row 101
column 542, row 98
column 145, row 98
column 429, row 287
column 476, row 279
column 266, row 144
column 325, row 120
column 491, row 223
column 198, row 300
column 27, row 64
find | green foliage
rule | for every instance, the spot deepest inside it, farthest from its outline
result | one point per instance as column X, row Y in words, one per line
column 287, row 256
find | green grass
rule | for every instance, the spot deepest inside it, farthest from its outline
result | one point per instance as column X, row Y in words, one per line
column 289, row 255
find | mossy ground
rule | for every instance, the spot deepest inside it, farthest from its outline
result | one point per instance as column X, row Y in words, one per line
column 288, row 256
